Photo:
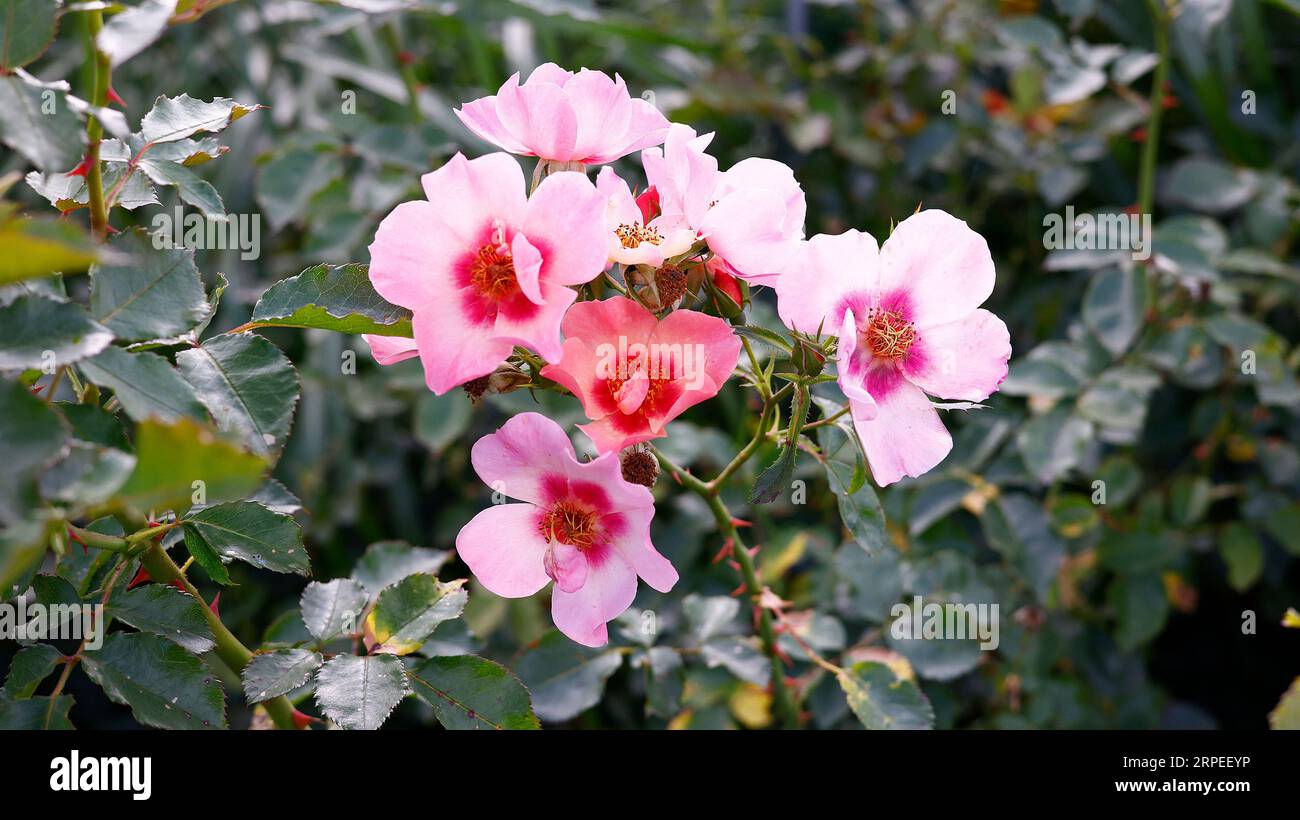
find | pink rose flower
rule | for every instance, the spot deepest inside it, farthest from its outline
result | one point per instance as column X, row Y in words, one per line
column 581, row 525
column 633, row 239
column 483, row 267
column 634, row 373
column 566, row 117
column 909, row 323
column 752, row 214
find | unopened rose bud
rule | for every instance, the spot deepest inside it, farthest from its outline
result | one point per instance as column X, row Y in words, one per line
column 502, row 380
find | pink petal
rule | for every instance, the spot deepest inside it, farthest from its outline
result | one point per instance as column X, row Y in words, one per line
column 853, row 370
column 646, row 127
column 391, row 349
column 453, row 348
column 620, row 206
column 540, row 116
column 566, row 222
column 632, row 392
column 769, row 175
column 480, row 116
column 603, row 322
column 576, row 370
column 410, row 257
column 470, row 194
column 813, row 291
column 549, row 73
column 693, row 333
column 517, row 459
column 504, row 548
column 527, row 261
column 616, row 431
column 635, row 546
column 535, row 326
column 746, row 229
column 604, row 113
column 607, row 593
column 965, row 359
column 685, row 176
column 939, row 267
column 907, row 437
column 566, row 566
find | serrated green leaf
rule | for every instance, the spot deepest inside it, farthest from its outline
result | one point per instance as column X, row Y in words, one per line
column 87, row 475
column 248, row 385
column 407, row 613
column 469, row 692
column 69, row 193
column 858, row 503
column 31, row 437
column 332, row 609
column 165, row 686
column 883, row 701
column 166, row 611
column 387, row 562
column 360, row 692
column 565, row 678
column 30, row 666
column 1114, row 307
column 37, row 333
column 1243, row 554
column 172, row 457
column 145, row 384
column 271, row 674
column 251, row 532
column 1052, row 444
column 338, row 298
column 775, row 478
column 53, row 138
column 26, row 29
column 128, row 33
column 151, row 293
column 176, row 118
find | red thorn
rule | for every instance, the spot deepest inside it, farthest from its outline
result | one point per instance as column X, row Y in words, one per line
column 37, row 389
column 141, row 577
column 113, row 97
column 82, row 168
column 740, row 522
column 301, row 721
column 733, row 564
column 111, row 229
column 405, row 57
column 77, row 539
column 753, row 551
column 216, row 599
column 726, row 550
column 1138, row 135
column 738, row 591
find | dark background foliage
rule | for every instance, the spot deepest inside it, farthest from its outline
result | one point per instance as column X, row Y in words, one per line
column 1127, row 614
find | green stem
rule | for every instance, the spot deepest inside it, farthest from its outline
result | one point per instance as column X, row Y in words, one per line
column 162, row 569
column 1147, row 178
column 781, row 695
column 94, row 129
column 389, row 34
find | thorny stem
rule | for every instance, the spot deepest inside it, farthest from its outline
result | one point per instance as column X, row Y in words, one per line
column 389, row 34
column 95, row 129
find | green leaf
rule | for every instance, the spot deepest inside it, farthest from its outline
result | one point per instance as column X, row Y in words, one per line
column 152, row 293
column 52, row 138
column 175, row 118
column 39, row 247
column 338, row 298
column 1208, row 185
column 1287, row 713
column 565, row 678
column 271, row 674
column 775, row 479
column 87, row 476
column 1114, row 307
column 1189, row 499
column 469, row 692
column 251, row 532
column 31, row 437
column 26, row 29
column 205, row 556
column 287, row 184
column 34, row 714
column 1243, row 554
column 146, row 385
column 664, row 682
column 408, row 612
column 360, row 692
column 172, row 457
column 166, row 611
column 710, row 615
column 22, row 548
column 739, row 656
column 1141, row 606
column 1284, row 525
column 69, row 193
column 1052, row 444
column 30, row 666
column 1017, row 527
column 441, row 420
column 859, row 506
column 332, row 609
column 128, row 33
column 37, row 333
column 248, row 385
column 881, row 700
column 387, row 562
column 165, row 686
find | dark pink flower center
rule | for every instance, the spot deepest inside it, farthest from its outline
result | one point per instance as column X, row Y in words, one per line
column 571, row 523
column 888, row 334
column 492, row 272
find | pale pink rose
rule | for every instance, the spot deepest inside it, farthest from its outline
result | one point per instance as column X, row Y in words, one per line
column 909, row 323
column 752, row 215
column 483, row 267
column 632, row 239
column 634, row 373
column 566, row 117
column 581, row 525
